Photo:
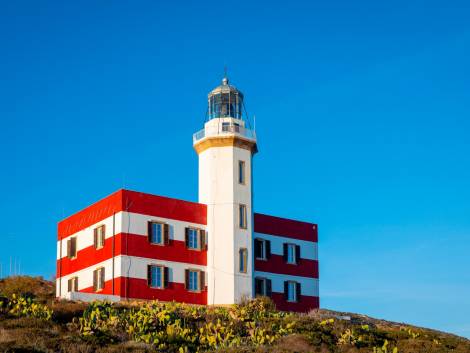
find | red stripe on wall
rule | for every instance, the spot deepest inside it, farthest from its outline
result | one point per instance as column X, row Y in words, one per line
column 132, row 245
column 285, row 227
column 305, row 304
column 137, row 202
column 139, row 289
column 276, row 264
column 165, row 207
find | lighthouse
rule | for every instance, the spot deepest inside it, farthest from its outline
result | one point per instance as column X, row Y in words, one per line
column 133, row 245
column 225, row 147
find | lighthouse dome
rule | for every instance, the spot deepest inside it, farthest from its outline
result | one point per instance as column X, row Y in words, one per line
column 225, row 101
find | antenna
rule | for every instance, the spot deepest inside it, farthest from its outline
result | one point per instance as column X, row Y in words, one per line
column 225, row 71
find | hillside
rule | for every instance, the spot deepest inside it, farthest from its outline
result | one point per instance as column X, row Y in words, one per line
column 44, row 325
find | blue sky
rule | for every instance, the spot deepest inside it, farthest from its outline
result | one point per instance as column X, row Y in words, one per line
column 362, row 114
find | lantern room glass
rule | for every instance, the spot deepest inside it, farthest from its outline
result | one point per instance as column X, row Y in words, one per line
column 226, row 105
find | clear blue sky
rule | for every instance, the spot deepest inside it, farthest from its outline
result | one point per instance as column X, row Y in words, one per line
column 362, row 113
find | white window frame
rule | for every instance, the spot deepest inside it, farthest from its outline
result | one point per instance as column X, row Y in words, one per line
column 263, row 249
column 100, row 236
column 153, row 234
column 99, row 284
column 292, row 291
column 193, row 239
column 293, row 253
column 74, row 286
column 264, row 286
column 159, row 269
column 191, row 275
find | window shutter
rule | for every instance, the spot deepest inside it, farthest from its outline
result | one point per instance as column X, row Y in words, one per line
column 284, row 252
column 297, row 254
column 202, row 239
column 286, row 290
column 69, row 285
column 95, row 280
column 95, row 237
column 102, row 278
column 186, row 279
column 75, row 285
column 165, row 277
column 149, row 231
column 73, row 246
column 202, row 280
column 297, row 291
column 257, row 248
column 258, row 286
column 149, row 275
column 69, row 248
column 166, row 234
column 268, row 249
column 186, row 237
column 269, row 291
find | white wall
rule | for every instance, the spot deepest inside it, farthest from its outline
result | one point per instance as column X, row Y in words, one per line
column 220, row 191
column 309, row 285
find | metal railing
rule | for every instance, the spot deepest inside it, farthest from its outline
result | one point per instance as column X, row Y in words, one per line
column 224, row 130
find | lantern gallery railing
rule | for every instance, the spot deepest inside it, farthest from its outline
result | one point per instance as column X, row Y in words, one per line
column 224, row 129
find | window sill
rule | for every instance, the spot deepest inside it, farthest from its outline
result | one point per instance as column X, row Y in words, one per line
column 261, row 258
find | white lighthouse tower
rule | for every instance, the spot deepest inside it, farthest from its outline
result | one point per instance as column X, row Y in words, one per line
column 226, row 147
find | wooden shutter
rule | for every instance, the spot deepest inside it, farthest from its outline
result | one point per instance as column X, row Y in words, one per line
column 149, row 231
column 297, row 254
column 258, row 248
column 102, row 278
column 95, row 280
column 202, row 239
column 268, row 249
column 165, row 277
column 69, row 248
column 284, row 252
column 95, row 237
column 186, row 237
column 186, row 279
column 269, row 290
column 69, row 285
column 286, row 290
column 73, row 247
column 202, row 280
column 298, row 291
column 75, row 284
column 149, row 275
column 257, row 286
column 166, row 234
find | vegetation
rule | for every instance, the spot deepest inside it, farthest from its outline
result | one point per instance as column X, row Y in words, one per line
column 32, row 322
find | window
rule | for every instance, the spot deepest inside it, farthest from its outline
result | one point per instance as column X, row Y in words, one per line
column 242, row 216
column 194, row 280
column 263, row 286
column 157, row 276
column 195, row 239
column 72, row 248
column 243, row 260
column 291, row 254
column 241, row 172
column 262, row 249
column 225, row 127
column 72, row 284
column 292, row 291
column 99, row 236
column 98, row 279
column 158, row 233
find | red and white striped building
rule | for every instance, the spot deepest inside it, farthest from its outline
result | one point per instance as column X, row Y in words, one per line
column 132, row 245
